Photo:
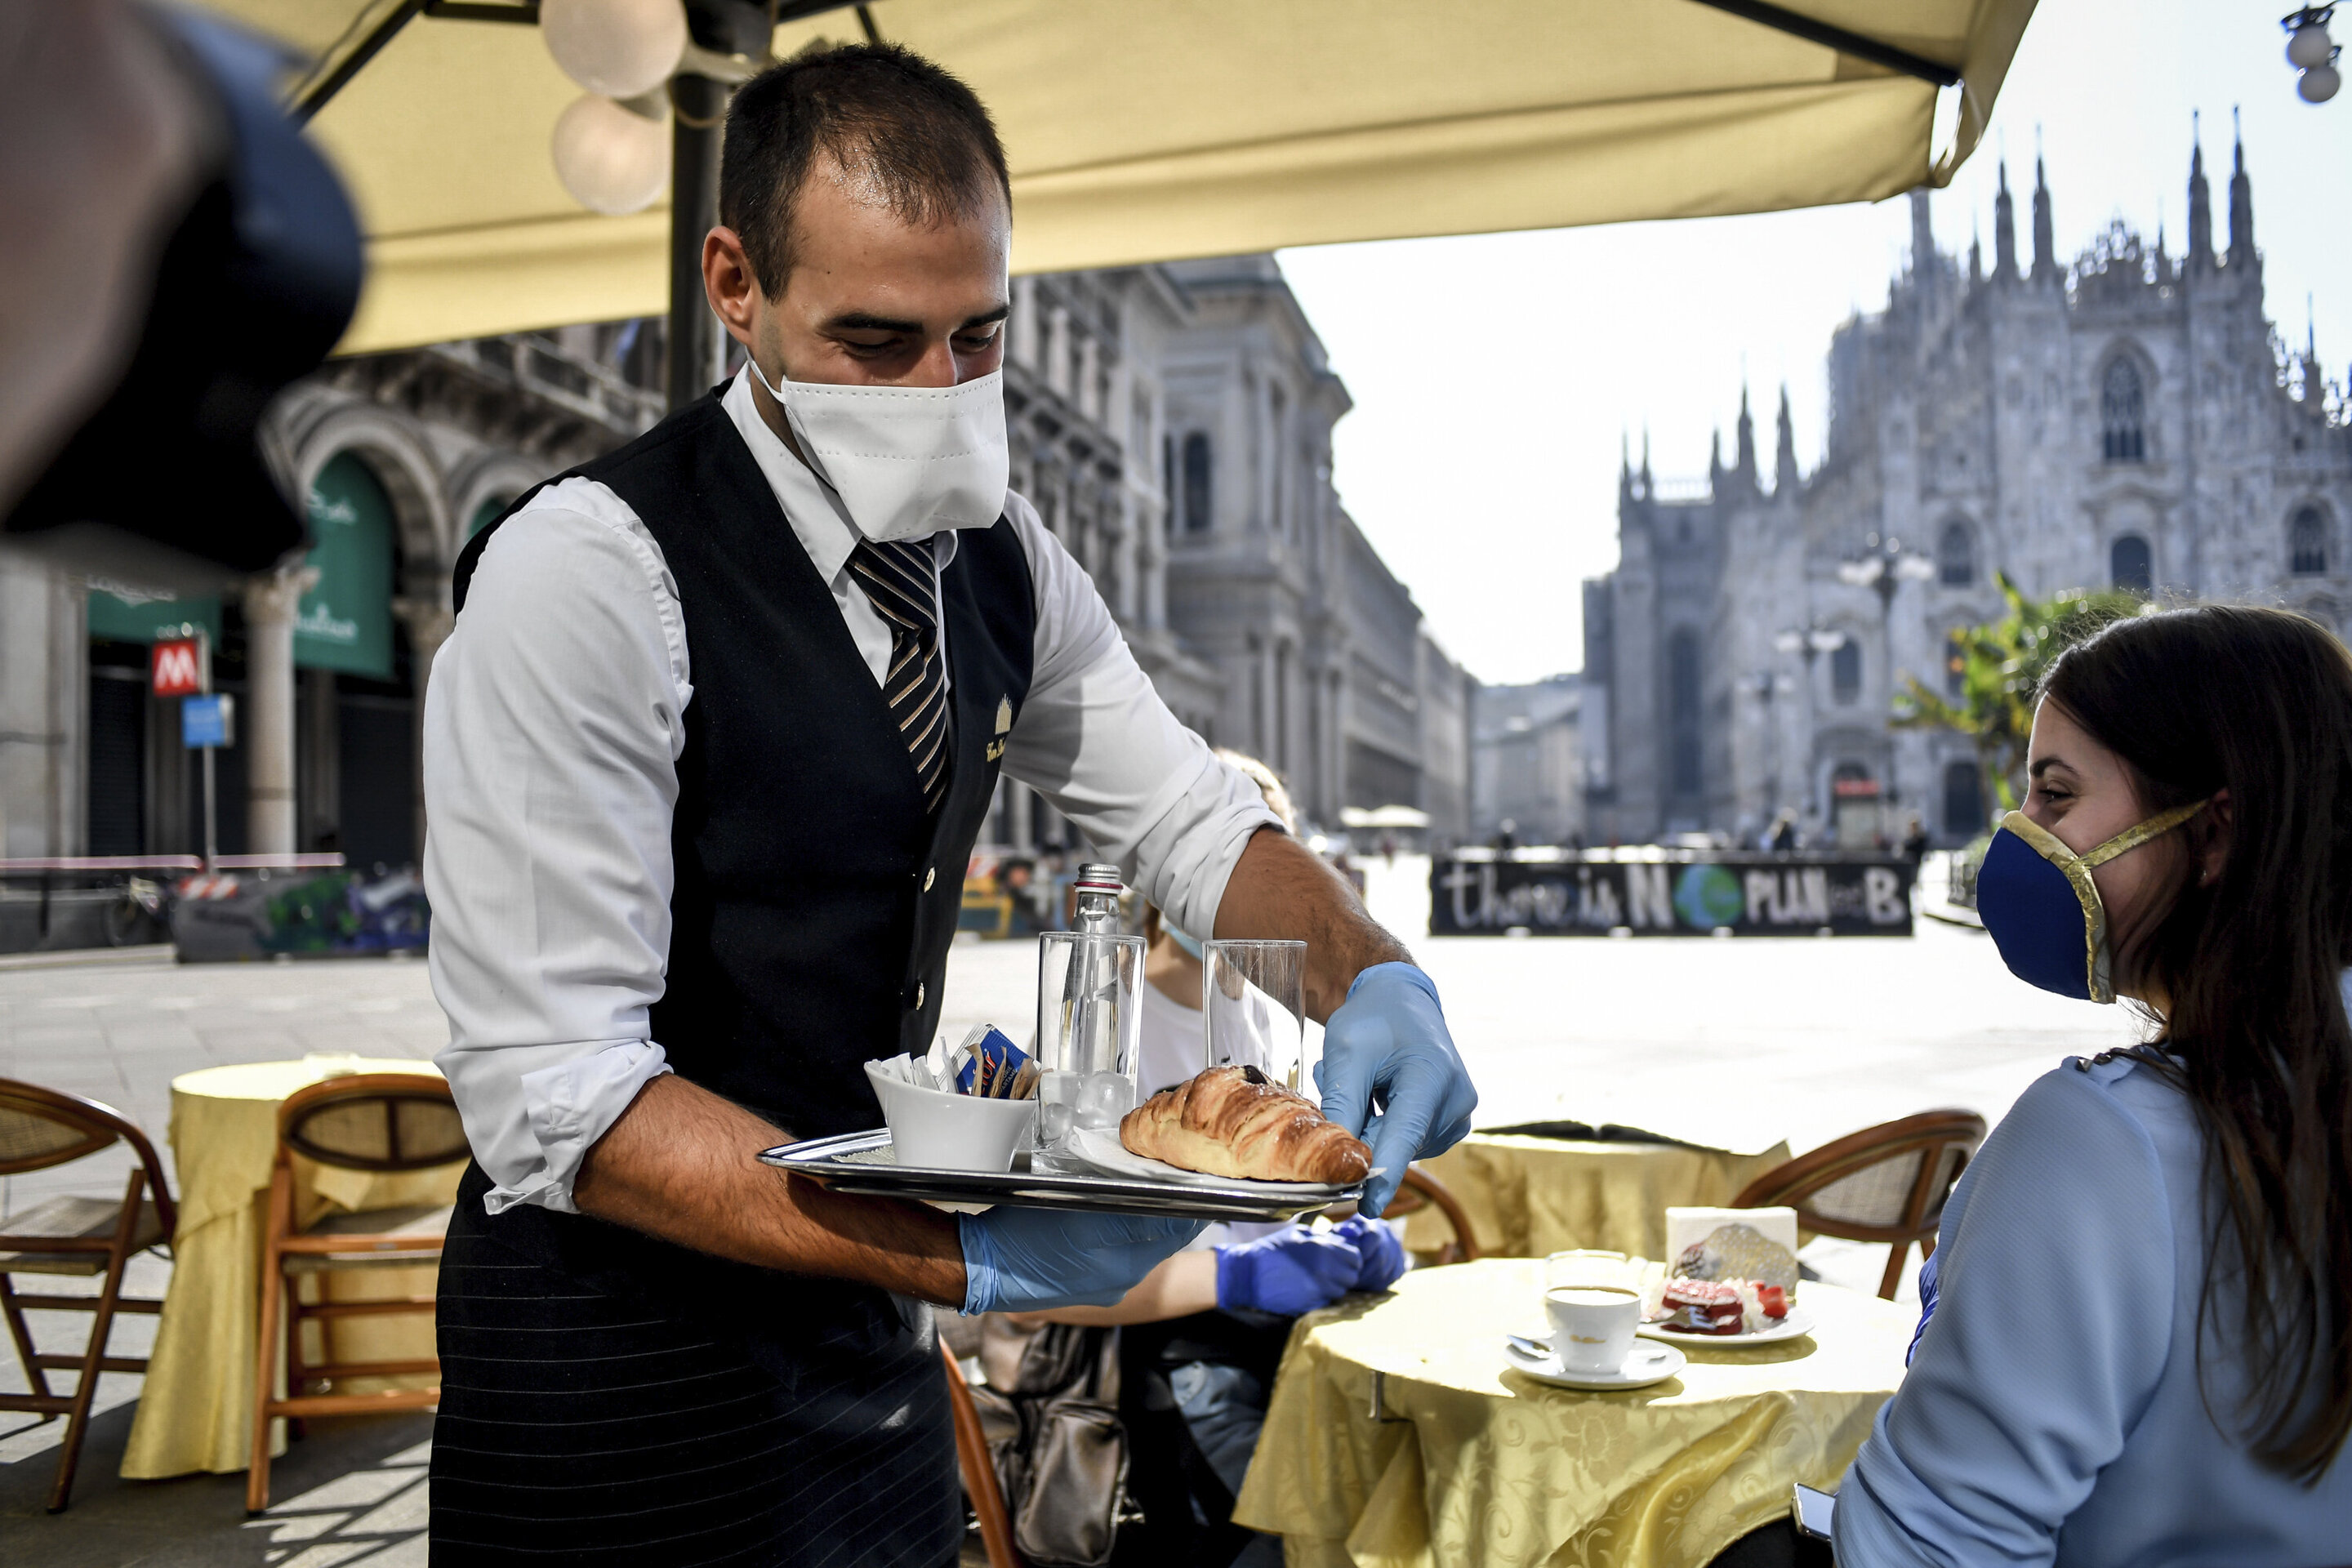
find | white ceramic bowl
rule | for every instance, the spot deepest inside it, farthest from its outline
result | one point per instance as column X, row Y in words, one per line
column 944, row 1131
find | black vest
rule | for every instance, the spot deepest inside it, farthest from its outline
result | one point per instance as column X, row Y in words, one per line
column 816, row 900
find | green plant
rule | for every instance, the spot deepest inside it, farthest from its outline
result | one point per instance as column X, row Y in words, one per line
column 2000, row 665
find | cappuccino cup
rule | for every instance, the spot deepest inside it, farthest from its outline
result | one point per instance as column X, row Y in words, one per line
column 1592, row 1326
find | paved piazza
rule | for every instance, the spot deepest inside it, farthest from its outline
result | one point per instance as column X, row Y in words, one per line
column 1738, row 1043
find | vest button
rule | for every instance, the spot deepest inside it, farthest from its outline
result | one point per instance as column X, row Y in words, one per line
column 919, row 994
column 931, row 874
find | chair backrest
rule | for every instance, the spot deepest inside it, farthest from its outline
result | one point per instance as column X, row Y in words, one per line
column 43, row 1127
column 1419, row 1190
column 1886, row 1183
column 375, row 1122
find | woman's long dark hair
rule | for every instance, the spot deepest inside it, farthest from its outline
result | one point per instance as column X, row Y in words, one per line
column 2258, row 702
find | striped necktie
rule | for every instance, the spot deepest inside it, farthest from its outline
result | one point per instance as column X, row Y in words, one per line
column 901, row 581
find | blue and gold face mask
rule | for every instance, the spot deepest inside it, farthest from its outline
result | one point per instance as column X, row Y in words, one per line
column 2037, row 901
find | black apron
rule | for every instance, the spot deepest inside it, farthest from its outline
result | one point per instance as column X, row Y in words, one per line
column 607, row 1397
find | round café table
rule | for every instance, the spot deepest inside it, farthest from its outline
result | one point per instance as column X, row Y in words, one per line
column 1470, row 1463
column 1527, row 1197
column 196, row 1408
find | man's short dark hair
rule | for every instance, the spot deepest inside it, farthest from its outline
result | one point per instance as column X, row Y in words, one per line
column 878, row 111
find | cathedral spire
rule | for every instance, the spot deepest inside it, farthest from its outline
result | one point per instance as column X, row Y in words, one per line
column 2004, row 229
column 1645, row 461
column 1715, row 470
column 1745, row 465
column 1923, row 234
column 2045, row 248
column 2242, row 201
column 1976, row 257
column 1784, row 463
column 2200, row 206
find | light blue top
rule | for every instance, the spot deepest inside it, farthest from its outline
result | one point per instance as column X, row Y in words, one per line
column 2053, row 1414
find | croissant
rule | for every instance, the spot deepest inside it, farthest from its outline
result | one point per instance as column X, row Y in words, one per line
column 1236, row 1122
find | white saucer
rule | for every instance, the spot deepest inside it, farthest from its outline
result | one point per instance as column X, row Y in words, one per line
column 1106, row 1153
column 1646, row 1364
column 1799, row 1321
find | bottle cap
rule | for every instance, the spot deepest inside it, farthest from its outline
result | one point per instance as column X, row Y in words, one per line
column 1098, row 877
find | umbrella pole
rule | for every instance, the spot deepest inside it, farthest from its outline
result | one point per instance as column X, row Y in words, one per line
column 701, row 109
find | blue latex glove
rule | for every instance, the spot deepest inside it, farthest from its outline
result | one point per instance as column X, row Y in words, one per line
column 1024, row 1260
column 1389, row 1073
column 1294, row 1270
column 1382, row 1253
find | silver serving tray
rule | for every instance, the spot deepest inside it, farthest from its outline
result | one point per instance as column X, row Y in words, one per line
column 864, row 1164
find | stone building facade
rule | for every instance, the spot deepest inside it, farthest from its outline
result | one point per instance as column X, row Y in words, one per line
column 2132, row 420
column 1172, row 424
column 1529, row 764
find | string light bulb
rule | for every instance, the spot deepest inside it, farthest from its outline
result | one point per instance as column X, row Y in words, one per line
column 618, row 49
column 613, row 157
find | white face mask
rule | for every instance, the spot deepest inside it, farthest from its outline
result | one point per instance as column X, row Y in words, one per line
column 907, row 461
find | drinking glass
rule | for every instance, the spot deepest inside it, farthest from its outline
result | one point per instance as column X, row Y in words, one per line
column 1253, row 994
column 1089, row 1028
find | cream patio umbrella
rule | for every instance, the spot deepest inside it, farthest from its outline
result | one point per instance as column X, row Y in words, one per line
column 1146, row 129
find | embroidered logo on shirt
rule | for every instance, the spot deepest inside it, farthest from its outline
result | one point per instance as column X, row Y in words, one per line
column 1003, row 727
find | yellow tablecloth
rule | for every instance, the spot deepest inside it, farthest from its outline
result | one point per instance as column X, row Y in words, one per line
column 1529, row 1197
column 195, row 1411
column 1479, row 1465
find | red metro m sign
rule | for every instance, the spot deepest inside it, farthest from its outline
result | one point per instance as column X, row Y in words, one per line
column 174, row 669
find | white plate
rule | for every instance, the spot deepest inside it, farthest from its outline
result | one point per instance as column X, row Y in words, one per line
column 1106, row 1153
column 1799, row 1321
column 1646, row 1364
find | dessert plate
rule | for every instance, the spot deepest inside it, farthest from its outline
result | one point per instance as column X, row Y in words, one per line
column 1645, row 1364
column 1798, row 1322
column 1106, row 1153
column 866, row 1164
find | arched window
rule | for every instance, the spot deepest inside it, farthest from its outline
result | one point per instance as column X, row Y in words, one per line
column 2130, row 564
column 1964, row 813
column 1683, row 712
column 2306, row 543
column 488, row 513
column 1845, row 671
column 1198, row 474
column 1956, row 555
column 2123, row 412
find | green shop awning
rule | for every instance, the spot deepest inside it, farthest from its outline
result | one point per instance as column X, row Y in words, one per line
column 126, row 614
column 345, row 620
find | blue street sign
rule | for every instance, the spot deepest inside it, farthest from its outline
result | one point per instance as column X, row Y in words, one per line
column 207, row 720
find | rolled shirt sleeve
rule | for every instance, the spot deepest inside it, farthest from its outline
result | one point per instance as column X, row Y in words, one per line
column 2053, row 1321
column 1096, row 740
column 553, row 721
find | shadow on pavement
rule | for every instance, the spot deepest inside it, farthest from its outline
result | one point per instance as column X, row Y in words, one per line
column 353, row 1492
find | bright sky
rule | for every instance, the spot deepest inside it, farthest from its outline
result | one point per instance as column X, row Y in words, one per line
column 1493, row 375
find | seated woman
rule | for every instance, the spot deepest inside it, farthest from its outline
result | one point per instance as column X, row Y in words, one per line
column 1216, row 1316
column 2142, row 1350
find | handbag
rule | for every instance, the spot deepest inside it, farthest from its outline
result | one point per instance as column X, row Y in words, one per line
column 1050, row 1412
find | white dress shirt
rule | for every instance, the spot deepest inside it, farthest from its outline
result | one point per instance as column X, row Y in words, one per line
column 553, row 723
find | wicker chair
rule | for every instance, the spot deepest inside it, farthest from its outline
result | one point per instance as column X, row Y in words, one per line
column 1884, row 1184
column 377, row 1122
column 41, row 1128
column 1419, row 1190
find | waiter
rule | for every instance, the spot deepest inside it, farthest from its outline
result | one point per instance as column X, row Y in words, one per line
column 705, row 758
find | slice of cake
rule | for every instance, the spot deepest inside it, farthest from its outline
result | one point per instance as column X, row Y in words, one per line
column 1703, row 1306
